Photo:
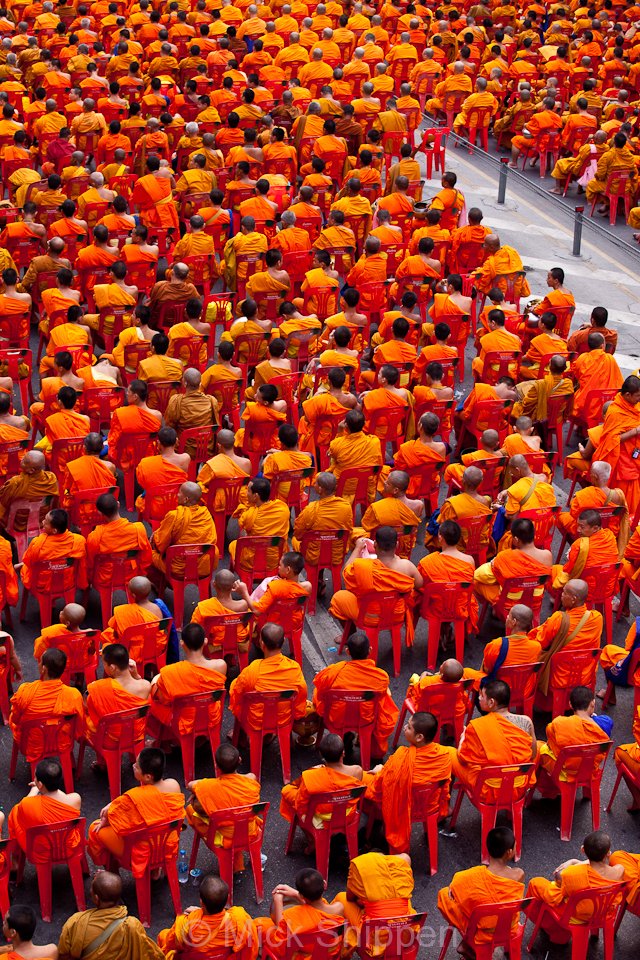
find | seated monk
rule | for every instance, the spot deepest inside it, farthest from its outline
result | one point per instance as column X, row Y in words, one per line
column 577, row 342
column 615, row 660
column 450, row 671
column 155, row 800
column 422, row 762
column 354, row 448
column 572, row 628
column 395, row 510
column 573, row 876
column 627, row 755
column 140, row 610
column 61, row 376
column 220, row 372
column 190, row 522
column 470, row 413
column 88, row 473
column 528, row 491
column 330, row 776
column 33, row 483
column 580, row 728
column 267, row 409
column 276, row 364
column 127, row 422
column 593, row 497
column 497, row 738
column 592, row 548
column 545, row 343
column 226, row 790
column 116, row 535
column 194, row 330
column 274, row 672
column 594, row 371
column 194, row 674
column 281, row 589
column 377, row 886
column 160, row 471
column 310, row 915
column 517, row 645
column 159, row 366
column 501, row 261
column 533, row 395
column 212, row 927
column 425, row 450
column 523, row 441
column 357, row 674
column 69, row 634
column 489, row 447
column 495, row 882
column 327, row 513
column 121, row 689
column 467, row 504
column 218, row 606
column 288, row 457
column 56, row 542
column 522, row 559
column 193, row 408
column 66, row 422
column 21, row 926
column 43, row 699
column 496, row 340
column 260, row 517
column 225, row 465
column 45, row 803
column 450, row 565
column 365, row 573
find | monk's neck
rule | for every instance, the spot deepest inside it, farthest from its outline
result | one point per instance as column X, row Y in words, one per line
column 196, row 658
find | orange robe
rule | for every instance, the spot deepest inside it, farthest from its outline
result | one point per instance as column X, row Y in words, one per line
column 85, row 473
column 181, row 680
column 129, row 420
column 273, row 673
column 565, row 732
column 439, row 568
column 59, row 546
column 491, row 740
column 187, row 524
column 130, row 615
column 152, row 196
column 595, row 370
column 490, row 577
column 43, row 699
column 296, row 796
column 520, row 649
column 621, row 417
column 117, row 537
column 140, row 807
column 231, row 930
column 270, row 519
column 156, row 471
column 369, row 576
column 473, row 888
column 359, row 675
column 586, row 553
column 579, row 876
column 35, row 812
column 108, row 696
column 588, row 638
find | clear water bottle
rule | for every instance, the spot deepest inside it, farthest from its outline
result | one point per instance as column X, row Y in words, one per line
column 195, row 875
column 183, row 867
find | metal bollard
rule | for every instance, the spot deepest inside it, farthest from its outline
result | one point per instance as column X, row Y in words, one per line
column 577, row 231
column 502, row 182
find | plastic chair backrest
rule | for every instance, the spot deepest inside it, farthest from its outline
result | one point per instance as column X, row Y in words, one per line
column 135, row 446
column 602, row 580
column 544, row 521
column 199, row 704
column 260, row 546
column 57, row 836
column 190, row 555
column 443, row 699
column 388, row 425
column 344, row 804
column 384, row 607
column 49, row 730
column 530, row 590
column 240, row 819
column 475, row 531
column 591, row 759
column 230, row 487
column 501, row 915
column 576, row 663
column 602, row 900
column 449, row 596
column 270, row 701
column 518, row 675
column 160, row 392
column 147, row 632
column 227, row 623
column 325, row 542
column 199, row 438
column 361, row 475
column 125, row 726
column 155, row 838
column 393, row 937
column 506, row 774
column 352, row 703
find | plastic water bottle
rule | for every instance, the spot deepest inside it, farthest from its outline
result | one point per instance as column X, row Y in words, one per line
column 195, row 875
column 183, row 867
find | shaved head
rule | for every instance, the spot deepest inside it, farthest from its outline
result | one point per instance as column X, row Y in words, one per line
column 140, row 587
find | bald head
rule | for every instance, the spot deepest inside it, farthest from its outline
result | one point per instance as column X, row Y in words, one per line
column 471, row 478
column 189, row 493
column 33, row 462
column 327, row 483
column 106, row 889
column 139, row 587
column 192, row 378
column 522, row 616
column 225, row 439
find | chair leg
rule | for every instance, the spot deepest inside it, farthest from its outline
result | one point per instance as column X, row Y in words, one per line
column 516, row 817
column 188, row 751
column 67, row 770
column 608, row 694
column 432, row 839
column 459, row 634
column 323, row 844
column 567, row 805
column 77, row 882
column 579, row 942
column 313, row 576
column 255, row 751
column 291, row 834
column 43, row 871
column 113, row 760
column 194, row 849
column 284, row 739
column 396, row 644
column 255, row 849
column 595, row 803
column 365, row 747
column 456, row 809
column 399, row 725
column 143, row 894
column 433, row 640
column 446, row 942
column 624, row 597
column 171, row 869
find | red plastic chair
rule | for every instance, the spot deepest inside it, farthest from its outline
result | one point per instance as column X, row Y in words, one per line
column 544, row 520
column 250, row 349
column 98, row 403
column 117, row 734
column 355, row 706
column 633, row 678
column 130, row 449
column 531, row 593
column 344, row 819
column 604, row 902
column 160, row 392
column 445, row 597
column 188, row 349
column 230, row 624
column 603, row 580
column 57, row 838
column 134, row 353
column 378, row 611
column 261, row 566
column 31, row 511
column 361, row 476
column 155, row 839
column 434, row 152
column 507, row 775
column 227, row 393
column 189, row 555
column 170, row 313
column 83, row 513
column 200, row 440
column 288, row 385
column 9, row 850
column 270, row 701
column 394, row 938
column 6, row 677
column 240, row 819
column 592, row 758
column 521, row 680
column 158, row 501
column 443, row 701
column 325, row 542
column 501, row 917
column 479, row 124
column 145, row 636
column 196, row 708
column 13, row 451
column 476, row 532
column 231, row 487
column 50, row 732
column 594, row 400
column 295, row 498
column 492, row 475
column 485, row 414
column 497, row 364
column 14, row 359
column 124, row 565
column 580, row 667
column 51, row 580
column 615, row 190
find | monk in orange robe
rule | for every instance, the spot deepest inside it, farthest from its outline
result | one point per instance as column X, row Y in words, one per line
column 152, row 196
column 140, row 610
column 122, row 688
column 522, row 559
column 354, row 448
column 194, row 674
column 68, row 635
column 488, row 449
column 88, row 472
column 57, row 543
column 190, row 522
column 116, row 535
column 497, row 340
column 496, row 882
column 468, row 503
column 593, row 547
column 619, row 441
column 136, row 418
column 45, row 803
column 311, row 916
column 593, row 873
column 567, row 732
column 593, row 497
column 357, row 674
column 159, row 472
column 45, row 698
column 228, row 789
column 332, row 775
column 155, row 800
column 594, row 371
column 628, row 754
column 260, row 517
column 501, row 260
column 572, row 628
column 422, row 762
column 494, row 740
column 328, row 512
column 274, row 672
column 450, row 565
column 543, row 345
column 424, row 451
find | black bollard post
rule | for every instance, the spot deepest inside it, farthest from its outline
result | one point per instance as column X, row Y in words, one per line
column 577, row 231
column 502, row 183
